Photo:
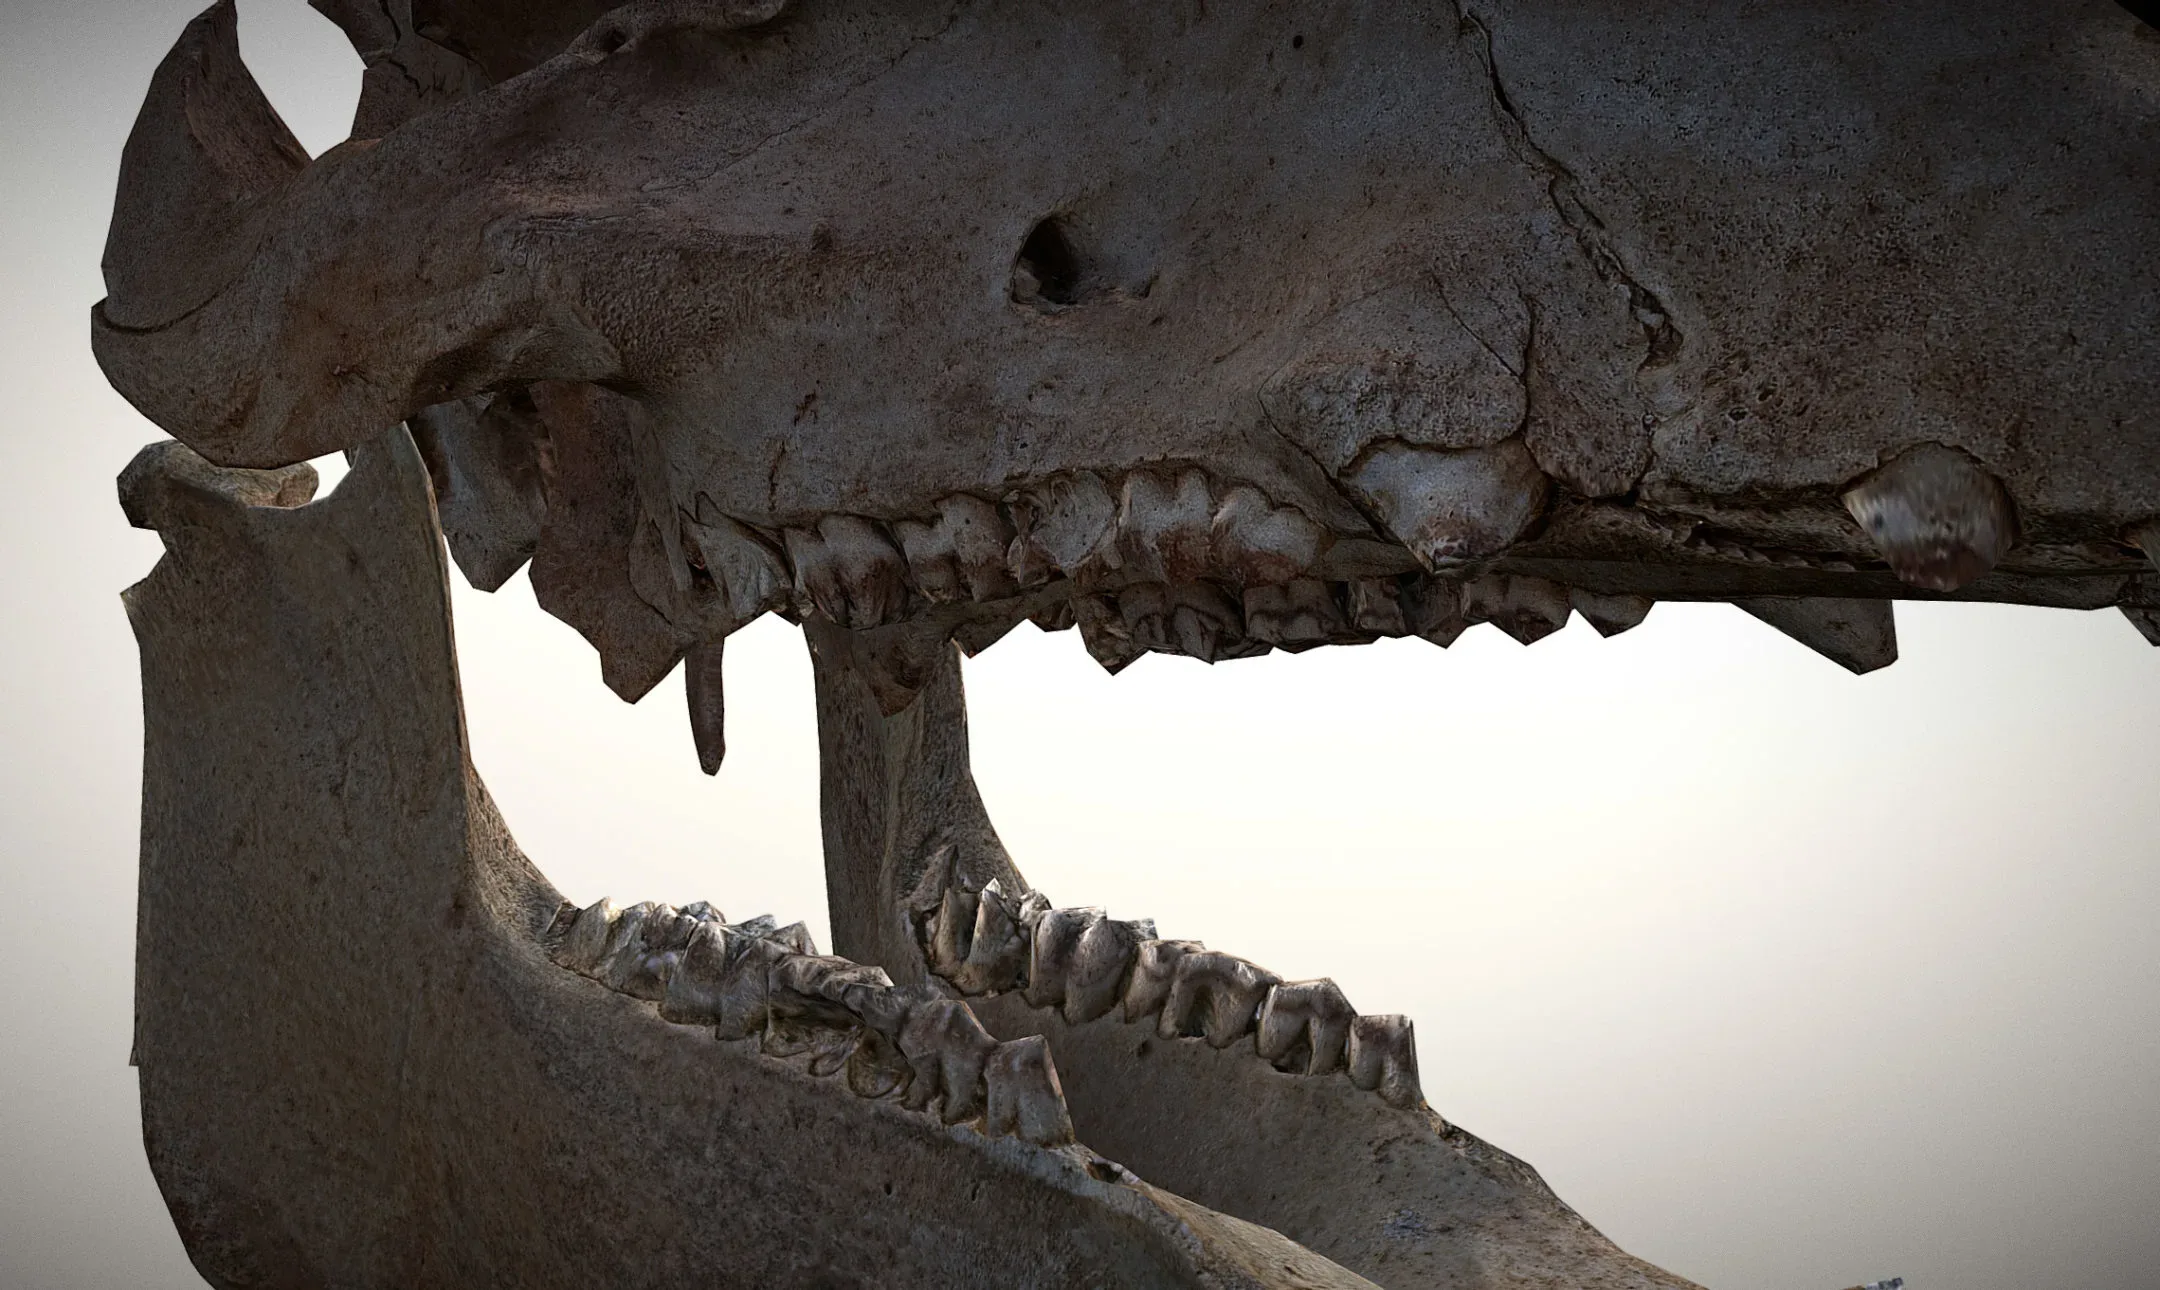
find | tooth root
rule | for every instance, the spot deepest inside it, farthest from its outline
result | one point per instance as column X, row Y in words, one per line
column 1433, row 610
column 1295, row 616
column 953, row 933
column 1257, row 543
column 1452, row 506
column 708, row 704
column 1610, row 615
column 1095, row 976
column 1938, row 518
column 1528, row 609
column 587, row 940
column 1376, row 607
column 1052, row 944
column 1154, row 971
column 1023, row 1096
column 997, row 953
column 1858, row 635
column 749, row 576
column 946, row 1048
column 1067, row 527
column 1164, row 526
column 1305, row 1025
column 1214, row 995
column 1382, row 1054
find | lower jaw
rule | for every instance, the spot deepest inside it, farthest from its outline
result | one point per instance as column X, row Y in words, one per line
column 364, row 1062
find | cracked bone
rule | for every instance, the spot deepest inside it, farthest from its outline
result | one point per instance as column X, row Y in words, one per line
column 1857, row 635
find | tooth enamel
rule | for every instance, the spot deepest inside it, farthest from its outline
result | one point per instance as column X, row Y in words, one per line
column 693, row 995
column 794, row 937
column 1858, row 635
column 1382, row 1055
column 625, row 943
column 1305, row 1026
column 587, row 941
column 1938, row 518
column 814, row 988
column 997, row 952
column 1214, row 995
column 742, row 998
column 1451, row 506
column 962, row 554
column 703, row 911
column 1610, row 615
column 1433, row 610
column 1528, row 609
column 1095, row 973
column 1295, row 616
column 1154, row 971
column 708, row 704
column 749, row 575
column 1205, row 624
column 877, row 1067
column 848, row 572
column 1104, row 633
column 1022, row 1095
column 1066, row 526
column 1376, row 607
column 640, row 968
column 1165, row 526
column 953, row 931
column 1258, row 543
column 1053, row 944
column 945, row 1048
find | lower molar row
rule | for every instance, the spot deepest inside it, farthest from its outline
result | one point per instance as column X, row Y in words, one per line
column 1086, row 966
column 758, row 980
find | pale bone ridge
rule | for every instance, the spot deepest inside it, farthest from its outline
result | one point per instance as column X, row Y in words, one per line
column 1088, row 967
column 758, row 981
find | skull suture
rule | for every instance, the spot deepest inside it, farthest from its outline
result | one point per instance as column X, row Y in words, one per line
column 1206, row 330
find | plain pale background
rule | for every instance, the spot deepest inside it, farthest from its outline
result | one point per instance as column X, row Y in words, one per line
column 1787, row 979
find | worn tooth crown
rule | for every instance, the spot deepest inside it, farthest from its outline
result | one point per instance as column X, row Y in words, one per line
column 1023, row 1098
column 1451, row 506
column 1305, row 1026
column 1053, row 943
column 1382, row 1057
column 1213, row 995
column 1154, row 971
column 946, row 1048
column 587, row 940
column 1095, row 977
column 997, row 951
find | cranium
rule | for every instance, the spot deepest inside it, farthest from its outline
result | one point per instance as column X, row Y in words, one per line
column 1205, row 331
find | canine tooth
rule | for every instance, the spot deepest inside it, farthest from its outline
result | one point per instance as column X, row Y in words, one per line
column 945, row 1047
column 1154, row 972
column 1305, row 1019
column 1095, row 973
column 1294, row 616
column 1165, row 526
column 848, row 572
column 1858, row 635
column 1452, row 506
column 1528, row 609
column 1433, row 610
column 1382, row 1054
column 1066, row 526
column 1258, row 543
column 1023, row 1096
column 750, row 576
column 708, row 704
column 997, row 952
column 1610, row 615
column 1214, row 995
column 587, row 941
column 1376, row 607
column 1052, row 944
column 1936, row 516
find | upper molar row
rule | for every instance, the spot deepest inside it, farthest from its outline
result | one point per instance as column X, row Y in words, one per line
column 1085, row 966
column 756, row 980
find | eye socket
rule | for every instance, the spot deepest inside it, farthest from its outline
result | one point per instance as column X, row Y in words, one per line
column 1047, row 271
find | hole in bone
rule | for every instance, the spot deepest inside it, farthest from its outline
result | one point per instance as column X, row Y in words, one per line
column 305, row 67
column 1048, row 270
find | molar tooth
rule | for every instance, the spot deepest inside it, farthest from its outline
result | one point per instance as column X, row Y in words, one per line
column 642, row 968
column 1376, row 607
column 1382, row 1054
column 1023, row 1095
column 814, row 987
column 742, row 1000
column 703, row 911
column 1103, row 631
column 794, row 937
column 1610, row 615
column 694, row 988
column 1294, row 616
column 587, row 941
column 946, row 1048
column 1067, row 526
column 1164, row 526
column 708, row 704
column 1206, row 625
column 1215, row 995
column 877, row 1068
column 625, row 943
column 1054, row 942
column 997, row 953
column 1305, row 1019
column 1936, row 516
column 1258, row 543
column 1452, row 506
column 1433, row 610
column 848, row 572
column 1857, row 635
column 930, row 560
column 1528, row 609
column 1154, row 971
column 1095, row 974
column 749, row 575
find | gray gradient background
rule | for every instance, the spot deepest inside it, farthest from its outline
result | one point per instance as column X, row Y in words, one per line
column 1786, row 979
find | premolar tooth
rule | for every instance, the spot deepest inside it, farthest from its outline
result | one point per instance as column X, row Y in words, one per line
column 694, row 988
column 750, row 576
column 1938, row 518
column 1103, row 631
column 1258, row 543
column 877, row 1067
column 814, row 988
column 1066, row 526
column 587, row 941
column 795, row 937
column 708, row 704
column 1294, row 616
column 847, row 571
column 1610, row 615
column 742, row 1001
column 961, row 555
column 997, row 953
column 946, row 1048
column 1305, row 1026
column 1857, row 635
column 625, row 944
column 1376, row 607
column 1528, row 609
column 1452, row 506
column 642, row 967
column 1154, row 971
column 1024, row 1097
column 1382, row 1053
column 1214, row 995
column 1095, row 974
column 1433, row 610
column 1164, row 526
column 1052, row 945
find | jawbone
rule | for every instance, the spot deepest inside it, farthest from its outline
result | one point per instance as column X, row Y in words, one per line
column 377, row 1048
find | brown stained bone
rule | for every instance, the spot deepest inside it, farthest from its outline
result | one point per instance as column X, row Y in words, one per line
column 478, row 1093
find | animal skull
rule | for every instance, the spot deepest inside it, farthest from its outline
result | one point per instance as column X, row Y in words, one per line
column 1207, row 331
